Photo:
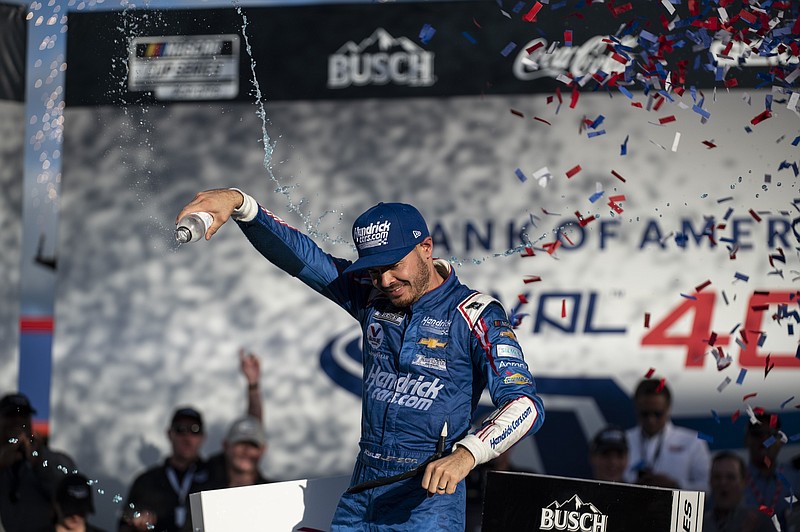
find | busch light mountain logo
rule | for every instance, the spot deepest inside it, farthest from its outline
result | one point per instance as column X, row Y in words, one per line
column 573, row 515
column 379, row 60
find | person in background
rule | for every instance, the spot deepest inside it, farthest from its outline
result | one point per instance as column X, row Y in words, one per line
column 768, row 485
column 608, row 454
column 238, row 463
column 29, row 470
column 73, row 503
column 725, row 509
column 660, row 453
column 159, row 498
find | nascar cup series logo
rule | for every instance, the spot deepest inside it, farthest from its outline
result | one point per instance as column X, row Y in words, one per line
column 379, row 60
column 573, row 515
column 375, row 234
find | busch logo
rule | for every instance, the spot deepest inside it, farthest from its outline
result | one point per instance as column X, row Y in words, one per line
column 592, row 56
column 573, row 515
column 379, row 60
column 414, row 392
column 375, row 234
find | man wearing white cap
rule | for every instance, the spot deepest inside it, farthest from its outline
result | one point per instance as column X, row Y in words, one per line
column 431, row 345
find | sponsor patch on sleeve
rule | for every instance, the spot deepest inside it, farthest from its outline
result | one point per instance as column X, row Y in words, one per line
column 509, row 351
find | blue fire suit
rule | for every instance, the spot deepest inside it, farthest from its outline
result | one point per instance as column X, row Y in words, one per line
column 423, row 366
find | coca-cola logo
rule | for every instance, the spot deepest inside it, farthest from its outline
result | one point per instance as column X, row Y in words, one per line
column 592, row 56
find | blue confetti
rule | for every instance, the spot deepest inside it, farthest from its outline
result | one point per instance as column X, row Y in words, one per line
column 789, row 400
column 520, row 175
column 742, row 277
column 469, row 37
column 426, row 33
column 508, row 49
column 627, row 93
column 623, row 149
column 596, row 196
column 687, row 296
column 740, row 378
column 597, row 133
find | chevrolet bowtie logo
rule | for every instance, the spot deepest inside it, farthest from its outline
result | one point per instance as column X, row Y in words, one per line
column 431, row 343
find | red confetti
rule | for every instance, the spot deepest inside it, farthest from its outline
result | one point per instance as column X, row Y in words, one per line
column 659, row 101
column 735, row 416
column 563, row 308
column 522, row 298
column 666, row 119
column 542, row 120
column 531, row 279
column 755, row 216
column 615, row 174
column 761, row 117
column 517, row 113
column 584, row 221
column 647, row 321
column 575, row 95
column 730, row 83
column 749, row 396
column 661, row 385
column 701, row 286
column 768, row 367
column 528, row 252
column 709, row 144
column 535, row 47
column 530, row 16
column 637, row 104
column 619, row 58
column 574, row 170
column 712, row 339
column 649, row 373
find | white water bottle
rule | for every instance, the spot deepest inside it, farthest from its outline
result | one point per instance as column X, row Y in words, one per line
column 193, row 227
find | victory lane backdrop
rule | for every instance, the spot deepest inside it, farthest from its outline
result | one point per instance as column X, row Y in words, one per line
column 143, row 325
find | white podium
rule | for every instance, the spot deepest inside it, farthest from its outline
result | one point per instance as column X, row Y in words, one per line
column 295, row 505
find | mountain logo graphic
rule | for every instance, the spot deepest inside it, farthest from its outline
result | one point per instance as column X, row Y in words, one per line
column 573, row 515
column 381, row 59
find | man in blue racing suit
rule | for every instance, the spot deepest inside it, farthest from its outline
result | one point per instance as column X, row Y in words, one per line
column 431, row 346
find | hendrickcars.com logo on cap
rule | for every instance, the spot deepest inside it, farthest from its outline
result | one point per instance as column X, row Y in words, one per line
column 375, row 234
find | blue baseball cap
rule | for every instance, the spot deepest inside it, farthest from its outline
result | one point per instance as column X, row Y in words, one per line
column 385, row 234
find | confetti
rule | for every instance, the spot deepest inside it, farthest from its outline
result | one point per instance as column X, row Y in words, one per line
column 510, row 47
column 723, row 384
column 740, row 378
column 520, row 175
column 623, row 149
column 741, row 277
column 709, row 144
column 517, row 113
column 615, row 174
column 749, row 396
column 755, row 216
column 542, row 120
column 666, row 119
column 789, row 400
column 661, row 385
column 531, row 279
column 700, row 287
column 676, row 141
column 522, row 298
column 530, row 16
column 646, row 320
column 563, row 308
column 568, row 38
column 426, row 33
column 649, row 373
column 572, row 171
column 469, row 37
